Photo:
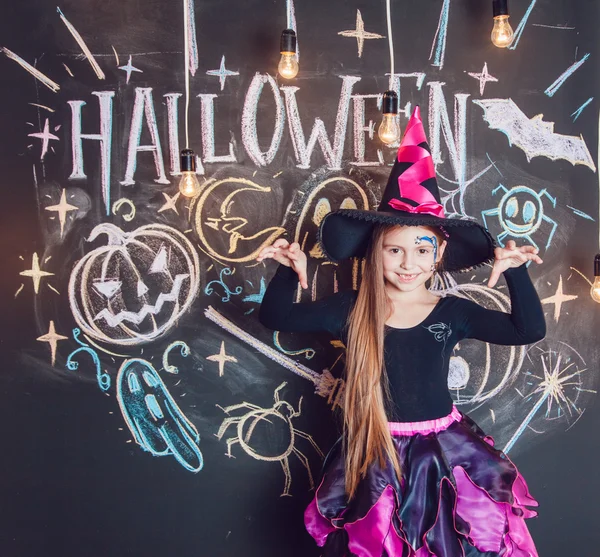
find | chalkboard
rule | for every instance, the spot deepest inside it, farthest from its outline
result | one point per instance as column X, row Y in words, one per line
column 145, row 410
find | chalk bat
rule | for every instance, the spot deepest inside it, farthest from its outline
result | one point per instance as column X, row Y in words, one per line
column 533, row 136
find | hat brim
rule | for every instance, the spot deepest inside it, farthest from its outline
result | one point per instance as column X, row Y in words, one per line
column 346, row 233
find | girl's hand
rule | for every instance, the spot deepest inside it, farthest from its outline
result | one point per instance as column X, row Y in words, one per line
column 511, row 256
column 287, row 254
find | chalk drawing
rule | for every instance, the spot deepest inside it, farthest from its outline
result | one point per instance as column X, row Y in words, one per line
column 483, row 78
column 52, row 338
column 558, row 299
column 360, row 34
column 221, row 358
column 232, row 227
column 105, row 99
column 281, row 413
column 222, row 73
column 134, row 289
column 534, row 136
column 520, row 213
column 129, row 68
column 36, row 273
column 155, row 420
column 42, row 78
column 46, row 137
column 62, row 208
column 86, row 51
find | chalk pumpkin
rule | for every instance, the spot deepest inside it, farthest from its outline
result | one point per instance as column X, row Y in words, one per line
column 133, row 289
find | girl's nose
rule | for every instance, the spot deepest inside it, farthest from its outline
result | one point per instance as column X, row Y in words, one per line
column 407, row 261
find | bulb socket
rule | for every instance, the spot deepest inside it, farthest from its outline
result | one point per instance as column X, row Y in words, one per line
column 597, row 265
column 389, row 104
column 500, row 7
column 288, row 41
column 187, row 160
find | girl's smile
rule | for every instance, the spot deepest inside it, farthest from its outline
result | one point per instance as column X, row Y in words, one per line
column 406, row 278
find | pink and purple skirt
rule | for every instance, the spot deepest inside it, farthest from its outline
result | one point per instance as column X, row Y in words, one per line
column 458, row 497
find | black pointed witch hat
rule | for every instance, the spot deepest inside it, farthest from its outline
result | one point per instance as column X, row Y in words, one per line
column 411, row 198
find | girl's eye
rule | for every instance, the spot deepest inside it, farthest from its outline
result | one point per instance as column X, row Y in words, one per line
column 424, row 251
column 394, row 250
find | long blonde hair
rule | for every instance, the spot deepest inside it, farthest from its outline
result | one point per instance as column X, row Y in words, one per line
column 366, row 431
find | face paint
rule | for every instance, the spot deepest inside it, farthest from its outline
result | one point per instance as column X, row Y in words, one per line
column 433, row 241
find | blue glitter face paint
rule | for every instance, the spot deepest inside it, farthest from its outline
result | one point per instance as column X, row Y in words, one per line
column 432, row 240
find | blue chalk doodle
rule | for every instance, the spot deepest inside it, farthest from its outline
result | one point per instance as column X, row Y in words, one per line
column 520, row 213
column 439, row 42
column 551, row 90
column 581, row 213
column 308, row 352
column 521, row 26
column 578, row 112
column 228, row 292
column 102, row 377
column 256, row 298
column 156, row 422
column 559, row 387
column 184, row 350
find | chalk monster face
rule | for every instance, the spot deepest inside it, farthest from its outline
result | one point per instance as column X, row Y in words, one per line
column 521, row 216
column 133, row 289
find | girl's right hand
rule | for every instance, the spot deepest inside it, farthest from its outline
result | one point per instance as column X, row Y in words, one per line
column 289, row 255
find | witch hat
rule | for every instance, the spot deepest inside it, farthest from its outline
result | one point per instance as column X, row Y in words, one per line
column 411, row 198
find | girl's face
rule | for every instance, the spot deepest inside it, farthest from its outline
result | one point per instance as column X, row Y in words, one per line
column 409, row 253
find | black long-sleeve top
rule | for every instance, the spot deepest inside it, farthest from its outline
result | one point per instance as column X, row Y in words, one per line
column 416, row 358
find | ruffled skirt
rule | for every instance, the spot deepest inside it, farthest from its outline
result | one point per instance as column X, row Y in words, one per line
column 458, row 497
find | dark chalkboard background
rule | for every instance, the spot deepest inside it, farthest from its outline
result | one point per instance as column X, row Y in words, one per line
column 74, row 480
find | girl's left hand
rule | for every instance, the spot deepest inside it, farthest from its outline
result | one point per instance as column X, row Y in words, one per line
column 511, row 256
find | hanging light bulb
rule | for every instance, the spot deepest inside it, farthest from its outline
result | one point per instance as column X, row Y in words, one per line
column 595, row 290
column 502, row 33
column 288, row 65
column 389, row 130
column 188, row 185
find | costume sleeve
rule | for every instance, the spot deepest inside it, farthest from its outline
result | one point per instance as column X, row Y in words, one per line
column 279, row 312
column 525, row 323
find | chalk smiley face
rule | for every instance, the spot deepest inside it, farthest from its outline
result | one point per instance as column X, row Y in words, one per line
column 520, row 212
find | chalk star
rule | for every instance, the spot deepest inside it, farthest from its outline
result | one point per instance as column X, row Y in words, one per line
column 45, row 136
column 360, row 33
column 62, row 209
column 35, row 273
column 222, row 72
column 483, row 77
column 169, row 202
column 553, row 384
column 221, row 357
column 558, row 299
column 52, row 338
column 129, row 68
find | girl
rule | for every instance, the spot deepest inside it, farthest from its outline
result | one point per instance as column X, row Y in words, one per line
column 412, row 476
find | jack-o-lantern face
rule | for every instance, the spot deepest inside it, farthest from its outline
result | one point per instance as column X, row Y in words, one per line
column 133, row 290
